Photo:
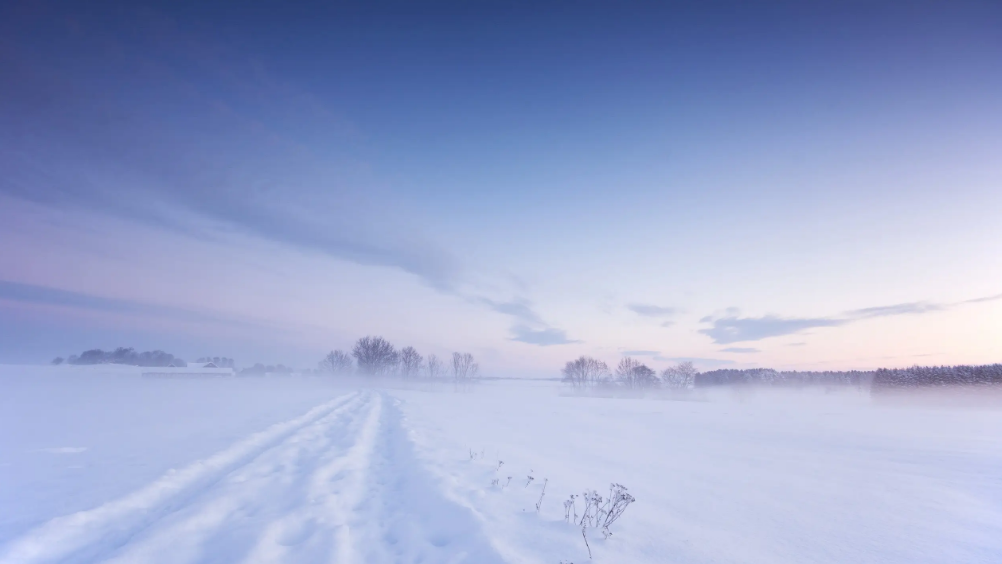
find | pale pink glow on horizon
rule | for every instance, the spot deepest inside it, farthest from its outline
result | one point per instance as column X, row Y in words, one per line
column 831, row 201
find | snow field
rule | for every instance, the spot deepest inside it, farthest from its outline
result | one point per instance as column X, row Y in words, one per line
column 338, row 484
column 794, row 477
column 386, row 476
column 86, row 535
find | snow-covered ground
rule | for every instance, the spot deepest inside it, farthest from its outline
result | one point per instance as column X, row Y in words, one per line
column 100, row 465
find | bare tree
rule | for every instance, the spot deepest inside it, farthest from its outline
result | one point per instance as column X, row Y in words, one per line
column 336, row 362
column 633, row 374
column 682, row 376
column 585, row 371
column 625, row 371
column 645, row 377
column 375, row 356
column 410, row 362
column 463, row 367
column 434, row 366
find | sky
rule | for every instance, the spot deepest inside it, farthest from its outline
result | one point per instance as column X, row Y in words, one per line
column 809, row 185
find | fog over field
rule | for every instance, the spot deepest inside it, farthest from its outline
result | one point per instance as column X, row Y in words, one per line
column 100, row 464
column 452, row 281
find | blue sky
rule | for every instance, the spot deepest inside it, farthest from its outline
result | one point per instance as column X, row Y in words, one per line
column 810, row 185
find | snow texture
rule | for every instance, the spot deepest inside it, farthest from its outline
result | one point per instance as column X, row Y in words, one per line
column 303, row 470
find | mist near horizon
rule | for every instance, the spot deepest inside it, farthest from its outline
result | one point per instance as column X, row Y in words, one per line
column 500, row 282
column 800, row 187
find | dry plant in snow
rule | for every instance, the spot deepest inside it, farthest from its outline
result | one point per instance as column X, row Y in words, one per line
column 541, row 494
column 599, row 513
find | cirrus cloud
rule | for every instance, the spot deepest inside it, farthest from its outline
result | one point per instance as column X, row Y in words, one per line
column 732, row 328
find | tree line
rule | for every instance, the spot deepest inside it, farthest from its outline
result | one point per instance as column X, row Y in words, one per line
column 770, row 377
column 630, row 373
column 375, row 356
column 129, row 356
column 927, row 376
column 121, row 355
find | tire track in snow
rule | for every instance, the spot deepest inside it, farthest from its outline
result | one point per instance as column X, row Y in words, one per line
column 319, row 531
column 222, row 523
column 81, row 536
column 405, row 516
column 340, row 484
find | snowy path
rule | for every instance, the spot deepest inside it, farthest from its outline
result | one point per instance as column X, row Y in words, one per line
column 338, row 484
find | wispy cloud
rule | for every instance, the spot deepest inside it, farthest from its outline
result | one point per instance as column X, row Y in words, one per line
column 897, row 309
column 743, row 350
column 731, row 328
column 727, row 330
column 31, row 294
column 984, row 299
column 641, row 353
column 519, row 308
column 541, row 337
column 648, row 310
column 529, row 326
column 184, row 149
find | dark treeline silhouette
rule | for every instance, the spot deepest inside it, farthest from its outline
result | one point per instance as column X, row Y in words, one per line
column 770, row 377
column 926, row 376
column 882, row 378
column 123, row 355
column 589, row 372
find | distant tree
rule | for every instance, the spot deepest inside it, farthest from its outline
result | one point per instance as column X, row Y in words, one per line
column 626, row 371
column 336, row 362
column 633, row 374
column 585, row 371
column 123, row 355
column 220, row 361
column 645, row 377
column 57, row 361
column 770, row 377
column 935, row 376
column 434, row 367
column 92, row 356
column 410, row 362
column 682, row 376
column 464, row 368
column 152, row 358
column 375, row 356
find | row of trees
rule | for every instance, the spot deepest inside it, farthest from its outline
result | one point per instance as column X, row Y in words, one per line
column 789, row 378
column 129, row 356
column 630, row 373
column 375, row 356
column 121, row 355
column 919, row 376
